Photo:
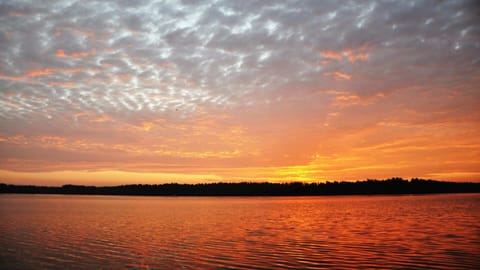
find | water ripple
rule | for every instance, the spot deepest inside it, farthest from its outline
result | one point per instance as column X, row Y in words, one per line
column 82, row 232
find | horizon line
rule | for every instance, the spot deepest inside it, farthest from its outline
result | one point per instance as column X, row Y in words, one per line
column 256, row 182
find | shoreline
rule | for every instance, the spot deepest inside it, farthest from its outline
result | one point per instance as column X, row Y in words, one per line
column 393, row 186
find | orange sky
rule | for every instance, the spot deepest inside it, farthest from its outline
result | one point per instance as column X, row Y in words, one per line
column 198, row 93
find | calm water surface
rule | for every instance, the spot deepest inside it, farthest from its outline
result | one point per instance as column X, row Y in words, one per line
column 112, row 232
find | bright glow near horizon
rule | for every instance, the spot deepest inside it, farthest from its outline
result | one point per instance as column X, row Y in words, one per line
column 116, row 92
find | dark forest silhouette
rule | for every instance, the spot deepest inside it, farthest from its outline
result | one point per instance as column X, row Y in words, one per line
column 367, row 187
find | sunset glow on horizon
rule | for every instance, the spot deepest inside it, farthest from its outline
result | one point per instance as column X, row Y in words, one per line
column 120, row 92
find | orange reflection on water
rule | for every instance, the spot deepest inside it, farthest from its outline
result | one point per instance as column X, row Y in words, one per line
column 55, row 231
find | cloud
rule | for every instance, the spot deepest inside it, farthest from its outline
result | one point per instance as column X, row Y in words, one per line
column 172, row 70
column 338, row 75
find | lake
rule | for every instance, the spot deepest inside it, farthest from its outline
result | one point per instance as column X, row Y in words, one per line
column 342, row 232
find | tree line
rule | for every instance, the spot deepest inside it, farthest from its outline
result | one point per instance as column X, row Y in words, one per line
column 365, row 187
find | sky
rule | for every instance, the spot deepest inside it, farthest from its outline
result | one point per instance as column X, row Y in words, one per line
column 120, row 92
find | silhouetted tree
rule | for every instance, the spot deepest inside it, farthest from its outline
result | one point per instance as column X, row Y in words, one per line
column 370, row 186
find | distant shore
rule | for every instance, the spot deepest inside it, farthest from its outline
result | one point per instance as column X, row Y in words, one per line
column 365, row 187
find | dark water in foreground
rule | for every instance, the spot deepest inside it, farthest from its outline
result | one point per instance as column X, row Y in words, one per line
column 91, row 232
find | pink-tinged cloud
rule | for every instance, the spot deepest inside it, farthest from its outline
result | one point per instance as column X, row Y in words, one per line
column 332, row 55
column 337, row 75
column 39, row 72
column 351, row 55
column 61, row 54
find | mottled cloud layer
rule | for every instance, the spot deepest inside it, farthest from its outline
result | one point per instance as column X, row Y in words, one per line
column 233, row 90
